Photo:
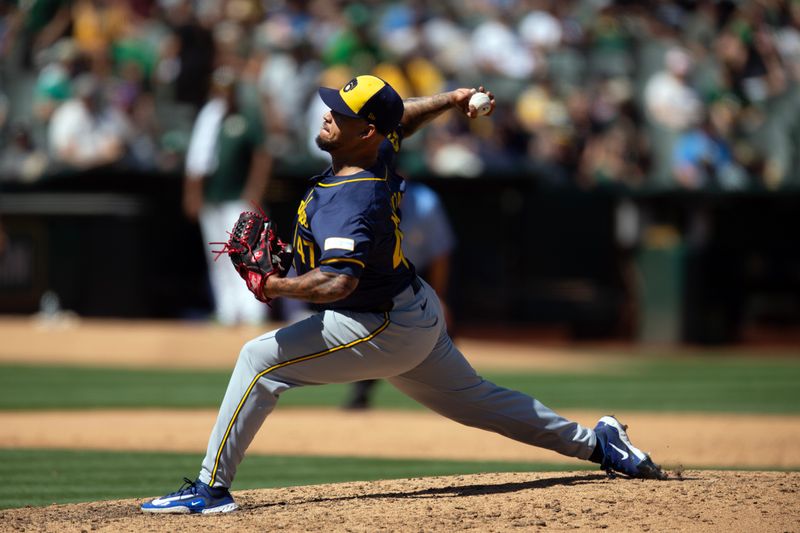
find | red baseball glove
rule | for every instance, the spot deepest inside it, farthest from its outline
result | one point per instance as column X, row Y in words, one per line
column 256, row 252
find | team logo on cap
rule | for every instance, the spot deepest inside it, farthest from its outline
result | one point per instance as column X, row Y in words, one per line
column 350, row 85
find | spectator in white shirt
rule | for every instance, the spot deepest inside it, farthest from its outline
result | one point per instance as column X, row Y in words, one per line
column 84, row 131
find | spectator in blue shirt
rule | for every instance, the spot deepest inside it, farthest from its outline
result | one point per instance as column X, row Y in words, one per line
column 703, row 158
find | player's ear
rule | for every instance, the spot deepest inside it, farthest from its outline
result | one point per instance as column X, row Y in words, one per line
column 368, row 131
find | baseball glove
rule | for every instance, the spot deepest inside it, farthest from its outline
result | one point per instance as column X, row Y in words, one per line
column 256, row 251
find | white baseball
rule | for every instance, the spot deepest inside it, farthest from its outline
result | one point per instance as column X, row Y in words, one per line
column 481, row 102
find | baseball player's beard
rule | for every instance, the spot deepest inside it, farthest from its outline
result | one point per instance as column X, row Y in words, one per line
column 326, row 146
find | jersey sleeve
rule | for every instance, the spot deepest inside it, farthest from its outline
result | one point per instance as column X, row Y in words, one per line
column 344, row 238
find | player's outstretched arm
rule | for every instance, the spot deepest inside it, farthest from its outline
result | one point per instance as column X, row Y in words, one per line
column 315, row 286
column 421, row 110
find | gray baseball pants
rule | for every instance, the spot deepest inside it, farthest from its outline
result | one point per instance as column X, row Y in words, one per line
column 409, row 346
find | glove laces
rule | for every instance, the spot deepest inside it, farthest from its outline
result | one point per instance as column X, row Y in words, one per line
column 240, row 234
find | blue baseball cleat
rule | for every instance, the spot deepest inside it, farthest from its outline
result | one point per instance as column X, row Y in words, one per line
column 619, row 455
column 193, row 497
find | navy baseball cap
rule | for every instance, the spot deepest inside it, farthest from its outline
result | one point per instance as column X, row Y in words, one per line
column 367, row 97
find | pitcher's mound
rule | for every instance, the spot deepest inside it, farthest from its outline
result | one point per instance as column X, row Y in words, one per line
column 691, row 500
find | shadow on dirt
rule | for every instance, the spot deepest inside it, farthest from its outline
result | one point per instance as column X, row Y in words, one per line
column 453, row 491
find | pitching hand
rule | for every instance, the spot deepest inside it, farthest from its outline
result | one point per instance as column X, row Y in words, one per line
column 461, row 100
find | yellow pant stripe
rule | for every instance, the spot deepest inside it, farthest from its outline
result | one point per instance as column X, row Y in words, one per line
column 263, row 373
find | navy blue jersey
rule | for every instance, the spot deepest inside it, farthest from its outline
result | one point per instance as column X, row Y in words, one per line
column 351, row 225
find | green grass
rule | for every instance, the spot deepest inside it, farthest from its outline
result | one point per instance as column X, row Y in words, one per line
column 729, row 384
column 42, row 477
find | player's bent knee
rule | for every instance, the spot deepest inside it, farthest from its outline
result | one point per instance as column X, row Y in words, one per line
column 257, row 355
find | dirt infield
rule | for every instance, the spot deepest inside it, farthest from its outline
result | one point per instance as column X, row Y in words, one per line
column 693, row 440
column 699, row 501
column 718, row 440
column 693, row 500
column 174, row 344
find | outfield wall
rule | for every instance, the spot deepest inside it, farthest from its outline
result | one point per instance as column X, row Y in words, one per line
column 658, row 266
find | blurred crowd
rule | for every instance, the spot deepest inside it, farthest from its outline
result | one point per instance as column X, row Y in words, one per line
column 701, row 95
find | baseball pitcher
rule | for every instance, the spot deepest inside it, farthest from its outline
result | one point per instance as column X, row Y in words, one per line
column 375, row 318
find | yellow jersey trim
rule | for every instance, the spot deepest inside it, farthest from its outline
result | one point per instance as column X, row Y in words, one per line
column 349, row 181
column 296, row 360
column 343, row 260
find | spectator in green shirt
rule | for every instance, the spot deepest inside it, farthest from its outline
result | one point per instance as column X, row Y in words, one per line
column 227, row 170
